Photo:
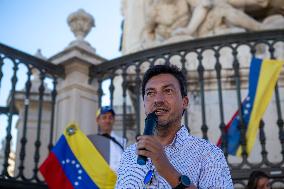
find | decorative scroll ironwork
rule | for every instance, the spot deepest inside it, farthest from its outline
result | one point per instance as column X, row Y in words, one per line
column 25, row 92
column 24, row 136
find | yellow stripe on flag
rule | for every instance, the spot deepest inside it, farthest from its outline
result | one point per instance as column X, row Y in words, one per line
column 268, row 77
column 91, row 160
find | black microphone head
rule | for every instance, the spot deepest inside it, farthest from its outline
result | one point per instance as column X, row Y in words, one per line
column 151, row 122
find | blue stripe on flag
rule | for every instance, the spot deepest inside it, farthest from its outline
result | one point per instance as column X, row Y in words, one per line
column 247, row 105
column 71, row 166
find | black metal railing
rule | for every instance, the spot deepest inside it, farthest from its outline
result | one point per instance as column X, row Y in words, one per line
column 33, row 82
column 217, row 72
column 216, row 68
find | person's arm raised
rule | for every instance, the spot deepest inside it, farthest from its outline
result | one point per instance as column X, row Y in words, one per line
column 150, row 147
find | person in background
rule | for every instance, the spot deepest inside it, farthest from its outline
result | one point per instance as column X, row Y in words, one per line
column 258, row 180
column 109, row 144
column 176, row 159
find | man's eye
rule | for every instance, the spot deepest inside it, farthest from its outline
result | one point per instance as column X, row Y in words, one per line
column 169, row 91
column 150, row 93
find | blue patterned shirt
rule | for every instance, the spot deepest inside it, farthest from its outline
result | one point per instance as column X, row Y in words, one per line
column 203, row 162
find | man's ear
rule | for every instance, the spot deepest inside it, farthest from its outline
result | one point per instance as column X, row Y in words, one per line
column 185, row 102
column 144, row 108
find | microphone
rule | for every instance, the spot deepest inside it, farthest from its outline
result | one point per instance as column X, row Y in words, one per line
column 151, row 121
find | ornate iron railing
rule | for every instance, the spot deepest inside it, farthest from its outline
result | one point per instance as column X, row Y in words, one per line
column 216, row 68
column 24, row 70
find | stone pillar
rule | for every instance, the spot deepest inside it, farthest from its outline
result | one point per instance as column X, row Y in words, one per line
column 77, row 100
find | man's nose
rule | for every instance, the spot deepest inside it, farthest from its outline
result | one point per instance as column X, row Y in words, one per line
column 159, row 97
column 109, row 120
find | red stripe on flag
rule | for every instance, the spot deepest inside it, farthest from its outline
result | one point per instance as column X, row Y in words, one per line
column 53, row 173
column 228, row 127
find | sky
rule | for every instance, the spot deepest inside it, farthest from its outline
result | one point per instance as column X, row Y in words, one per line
column 29, row 25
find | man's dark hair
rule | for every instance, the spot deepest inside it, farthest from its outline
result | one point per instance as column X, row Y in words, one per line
column 165, row 69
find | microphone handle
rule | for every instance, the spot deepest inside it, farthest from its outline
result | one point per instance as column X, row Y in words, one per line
column 150, row 123
column 141, row 160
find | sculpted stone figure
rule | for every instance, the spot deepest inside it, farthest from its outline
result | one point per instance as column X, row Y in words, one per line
column 211, row 17
column 162, row 18
column 173, row 20
column 268, row 7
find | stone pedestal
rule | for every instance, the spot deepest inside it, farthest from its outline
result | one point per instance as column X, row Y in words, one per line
column 77, row 100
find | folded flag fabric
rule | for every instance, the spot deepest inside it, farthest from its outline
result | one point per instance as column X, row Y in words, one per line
column 262, row 80
column 74, row 163
column 110, row 147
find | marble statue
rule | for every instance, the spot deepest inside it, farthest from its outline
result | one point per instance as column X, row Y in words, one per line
column 173, row 20
column 162, row 18
column 216, row 16
column 269, row 7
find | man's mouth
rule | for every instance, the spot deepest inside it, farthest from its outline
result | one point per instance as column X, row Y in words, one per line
column 161, row 111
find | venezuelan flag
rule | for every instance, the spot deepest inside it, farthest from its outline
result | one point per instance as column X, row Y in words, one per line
column 74, row 163
column 262, row 80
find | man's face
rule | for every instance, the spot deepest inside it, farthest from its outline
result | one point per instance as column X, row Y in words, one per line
column 163, row 95
column 105, row 122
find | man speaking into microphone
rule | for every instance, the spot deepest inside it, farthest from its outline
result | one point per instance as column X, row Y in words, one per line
column 171, row 156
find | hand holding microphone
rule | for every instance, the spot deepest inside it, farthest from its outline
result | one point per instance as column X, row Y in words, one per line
column 151, row 122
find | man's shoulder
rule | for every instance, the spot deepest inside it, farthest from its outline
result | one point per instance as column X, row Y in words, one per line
column 130, row 149
column 118, row 137
column 208, row 154
column 129, row 155
column 203, row 145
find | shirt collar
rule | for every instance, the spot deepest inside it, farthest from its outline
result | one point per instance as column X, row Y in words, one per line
column 180, row 137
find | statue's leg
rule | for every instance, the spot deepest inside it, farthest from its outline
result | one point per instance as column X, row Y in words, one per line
column 239, row 18
column 243, row 4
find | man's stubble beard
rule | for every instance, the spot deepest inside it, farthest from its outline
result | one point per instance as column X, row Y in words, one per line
column 166, row 128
